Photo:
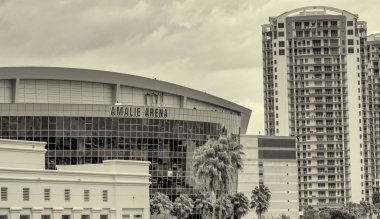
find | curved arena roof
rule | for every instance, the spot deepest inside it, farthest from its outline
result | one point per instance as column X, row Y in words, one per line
column 107, row 77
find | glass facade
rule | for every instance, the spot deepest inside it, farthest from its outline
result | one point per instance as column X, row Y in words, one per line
column 87, row 137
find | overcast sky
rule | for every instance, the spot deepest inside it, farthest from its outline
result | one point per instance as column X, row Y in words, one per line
column 209, row 45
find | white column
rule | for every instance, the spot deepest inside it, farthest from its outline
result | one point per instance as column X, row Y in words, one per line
column 36, row 212
column 57, row 213
column 113, row 213
column 77, row 213
column 15, row 212
column 95, row 213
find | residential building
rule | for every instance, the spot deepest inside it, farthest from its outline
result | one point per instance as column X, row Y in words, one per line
column 314, row 61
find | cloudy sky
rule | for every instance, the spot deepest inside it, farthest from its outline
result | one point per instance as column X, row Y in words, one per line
column 212, row 46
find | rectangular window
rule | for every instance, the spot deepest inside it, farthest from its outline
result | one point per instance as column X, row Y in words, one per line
column 67, row 197
column 125, row 216
column 350, row 23
column 280, row 25
column 137, row 216
column 350, row 42
column 4, row 193
column 45, row 216
column 86, row 195
column 3, row 216
column 281, row 43
column 350, row 32
column 281, row 52
column 105, row 196
column 47, row 194
column 351, row 50
column 24, row 216
column 65, row 216
column 281, row 34
column 85, row 217
column 25, row 194
column 103, row 216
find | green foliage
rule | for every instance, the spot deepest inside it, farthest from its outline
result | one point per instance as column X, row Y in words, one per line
column 310, row 213
column 240, row 205
column 160, row 204
column 203, row 203
column 226, row 208
column 260, row 199
column 182, row 206
column 215, row 165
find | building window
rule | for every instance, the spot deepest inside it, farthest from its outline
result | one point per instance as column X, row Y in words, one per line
column 280, row 25
column 103, row 216
column 350, row 23
column 351, row 50
column 67, row 196
column 85, row 217
column 281, row 52
column 281, row 43
column 3, row 216
column 350, row 42
column 45, row 216
column 86, row 195
column 350, row 32
column 125, row 216
column 281, row 33
column 65, row 216
column 25, row 194
column 4, row 193
column 137, row 216
column 24, row 217
column 105, row 196
column 47, row 194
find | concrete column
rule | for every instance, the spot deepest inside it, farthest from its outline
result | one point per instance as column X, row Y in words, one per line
column 77, row 213
column 116, row 93
column 113, row 213
column 36, row 212
column 57, row 213
column 95, row 212
column 15, row 87
column 15, row 212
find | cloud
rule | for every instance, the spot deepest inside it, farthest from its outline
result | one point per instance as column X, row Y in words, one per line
column 213, row 46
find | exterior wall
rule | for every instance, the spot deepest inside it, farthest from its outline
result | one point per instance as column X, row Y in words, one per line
column 271, row 161
column 5, row 91
column 125, row 182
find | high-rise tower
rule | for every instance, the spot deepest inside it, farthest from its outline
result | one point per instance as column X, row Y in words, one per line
column 314, row 59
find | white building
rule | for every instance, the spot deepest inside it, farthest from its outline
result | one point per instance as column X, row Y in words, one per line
column 112, row 190
column 314, row 73
column 272, row 161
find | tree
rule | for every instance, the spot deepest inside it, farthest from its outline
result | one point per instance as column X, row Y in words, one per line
column 160, row 204
column 376, row 198
column 224, row 208
column 182, row 206
column 355, row 209
column 260, row 199
column 367, row 207
column 215, row 165
column 203, row 203
column 240, row 205
column 310, row 213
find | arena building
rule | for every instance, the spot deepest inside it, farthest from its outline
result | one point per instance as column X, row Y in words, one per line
column 87, row 116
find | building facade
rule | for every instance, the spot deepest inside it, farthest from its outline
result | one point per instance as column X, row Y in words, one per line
column 111, row 190
column 315, row 89
column 271, row 161
column 87, row 116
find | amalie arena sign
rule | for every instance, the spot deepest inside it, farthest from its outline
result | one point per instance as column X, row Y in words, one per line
column 139, row 112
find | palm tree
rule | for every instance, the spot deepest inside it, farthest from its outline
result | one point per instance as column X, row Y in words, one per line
column 240, row 205
column 203, row 204
column 182, row 206
column 160, row 204
column 215, row 165
column 260, row 199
